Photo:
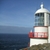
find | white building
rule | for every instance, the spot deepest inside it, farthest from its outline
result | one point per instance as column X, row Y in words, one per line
column 41, row 32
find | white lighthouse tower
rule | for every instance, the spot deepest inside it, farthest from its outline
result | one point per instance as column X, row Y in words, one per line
column 41, row 32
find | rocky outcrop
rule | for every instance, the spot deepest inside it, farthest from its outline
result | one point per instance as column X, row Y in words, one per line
column 45, row 46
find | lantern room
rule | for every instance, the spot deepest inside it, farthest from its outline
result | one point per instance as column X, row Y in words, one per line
column 41, row 22
column 39, row 19
column 41, row 32
column 42, row 16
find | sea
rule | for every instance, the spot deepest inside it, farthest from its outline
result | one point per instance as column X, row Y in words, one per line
column 13, row 41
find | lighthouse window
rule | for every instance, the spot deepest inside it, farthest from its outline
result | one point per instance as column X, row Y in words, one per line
column 39, row 19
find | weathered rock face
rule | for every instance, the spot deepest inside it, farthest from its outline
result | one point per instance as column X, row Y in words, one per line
column 45, row 46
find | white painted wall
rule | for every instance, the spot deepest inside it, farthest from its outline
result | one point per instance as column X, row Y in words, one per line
column 46, row 18
column 37, row 41
column 49, row 34
column 41, row 29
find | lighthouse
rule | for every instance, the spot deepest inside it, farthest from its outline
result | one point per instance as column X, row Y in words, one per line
column 41, row 32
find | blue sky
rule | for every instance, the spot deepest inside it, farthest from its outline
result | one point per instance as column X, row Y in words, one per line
column 20, row 12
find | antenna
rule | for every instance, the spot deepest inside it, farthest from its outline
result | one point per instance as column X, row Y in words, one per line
column 42, row 6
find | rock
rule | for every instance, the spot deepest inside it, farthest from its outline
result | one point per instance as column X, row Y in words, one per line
column 45, row 46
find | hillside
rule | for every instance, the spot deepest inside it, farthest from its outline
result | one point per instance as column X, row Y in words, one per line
column 14, row 29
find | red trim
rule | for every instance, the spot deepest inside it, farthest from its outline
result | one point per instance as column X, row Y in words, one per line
column 44, row 34
column 38, row 35
column 31, row 34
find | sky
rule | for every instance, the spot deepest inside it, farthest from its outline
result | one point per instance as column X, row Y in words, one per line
column 20, row 12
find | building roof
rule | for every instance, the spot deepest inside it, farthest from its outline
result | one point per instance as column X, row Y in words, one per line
column 42, row 10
